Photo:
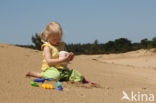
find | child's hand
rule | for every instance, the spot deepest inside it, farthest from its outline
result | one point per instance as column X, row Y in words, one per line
column 72, row 55
column 66, row 58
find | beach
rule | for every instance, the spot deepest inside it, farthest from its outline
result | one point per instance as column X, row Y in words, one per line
column 130, row 72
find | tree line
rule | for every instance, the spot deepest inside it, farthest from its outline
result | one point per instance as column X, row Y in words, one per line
column 120, row 45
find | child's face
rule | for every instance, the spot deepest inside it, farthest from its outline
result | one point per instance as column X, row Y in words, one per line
column 55, row 40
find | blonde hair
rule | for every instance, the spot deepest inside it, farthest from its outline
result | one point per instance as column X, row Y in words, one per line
column 51, row 30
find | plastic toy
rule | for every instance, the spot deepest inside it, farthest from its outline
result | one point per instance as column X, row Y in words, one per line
column 60, row 89
column 34, row 84
column 47, row 86
column 63, row 54
column 41, row 80
column 59, row 85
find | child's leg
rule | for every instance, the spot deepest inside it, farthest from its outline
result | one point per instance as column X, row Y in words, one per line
column 51, row 72
column 84, row 80
column 76, row 76
column 34, row 74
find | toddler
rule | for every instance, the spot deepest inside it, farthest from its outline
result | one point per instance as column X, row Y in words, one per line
column 55, row 57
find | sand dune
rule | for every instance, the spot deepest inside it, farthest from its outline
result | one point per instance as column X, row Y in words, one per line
column 140, row 58
column 133, row 71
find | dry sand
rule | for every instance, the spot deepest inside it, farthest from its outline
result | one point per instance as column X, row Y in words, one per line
column 133, row 71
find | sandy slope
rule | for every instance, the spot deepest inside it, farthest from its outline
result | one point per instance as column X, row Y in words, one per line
column 133, row 71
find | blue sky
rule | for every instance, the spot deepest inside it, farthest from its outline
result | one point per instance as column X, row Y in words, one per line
column 82, row 21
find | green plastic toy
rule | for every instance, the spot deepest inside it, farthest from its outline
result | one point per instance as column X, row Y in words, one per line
column 34, row 84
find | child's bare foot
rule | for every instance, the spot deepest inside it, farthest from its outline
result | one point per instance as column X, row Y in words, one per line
column 28, row 74
column 84, row 81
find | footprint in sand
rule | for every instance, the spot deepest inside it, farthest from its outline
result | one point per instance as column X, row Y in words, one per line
column 27, row 55
column 144, row 88
column 82, row 95
column 94, row 59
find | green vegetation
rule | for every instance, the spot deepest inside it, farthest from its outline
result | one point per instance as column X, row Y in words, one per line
column 120, row 45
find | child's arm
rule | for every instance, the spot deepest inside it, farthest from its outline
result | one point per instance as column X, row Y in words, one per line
column 50, row 61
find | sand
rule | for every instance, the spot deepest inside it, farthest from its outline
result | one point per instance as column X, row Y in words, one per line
column 133, row 71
